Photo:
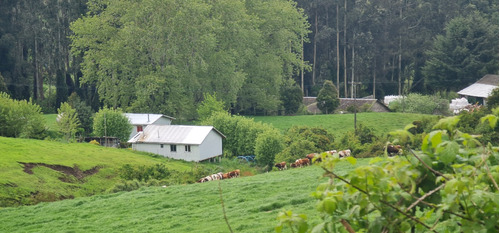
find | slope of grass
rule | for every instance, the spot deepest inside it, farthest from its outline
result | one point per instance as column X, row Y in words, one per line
column 50, row 122
column 19, row 187
column 338, row 124
column 251, row 203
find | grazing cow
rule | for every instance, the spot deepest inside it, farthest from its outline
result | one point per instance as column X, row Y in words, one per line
column 205, row 179
column 302, row 162
column 281, row 166
column 235, row 173
column 344, row 153
column 311, row 157
column 391, row 150
column 225, row 175
column 293, row 165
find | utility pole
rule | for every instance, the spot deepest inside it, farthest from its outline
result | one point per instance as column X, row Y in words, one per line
column 354, row 85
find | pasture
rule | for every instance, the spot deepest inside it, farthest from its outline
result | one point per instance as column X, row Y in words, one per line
column 338, row 124
column 252, row 204
column 78, row 160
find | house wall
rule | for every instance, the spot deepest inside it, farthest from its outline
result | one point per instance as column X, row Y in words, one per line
column 181, row 153
column 211, row 146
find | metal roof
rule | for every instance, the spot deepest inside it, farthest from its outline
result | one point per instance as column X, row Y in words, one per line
column 144, row 118
column 174, row 134
column 478, row 90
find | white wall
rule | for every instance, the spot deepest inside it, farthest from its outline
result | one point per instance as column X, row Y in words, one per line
column 165, row 151
column 211, row 146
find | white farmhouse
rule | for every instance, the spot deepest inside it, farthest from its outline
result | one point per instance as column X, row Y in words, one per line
column 139, row 121
column 186, row 142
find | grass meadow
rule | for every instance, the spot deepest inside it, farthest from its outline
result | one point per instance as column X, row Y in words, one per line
column 17, row 186
column 252, row 204
column 338, row 124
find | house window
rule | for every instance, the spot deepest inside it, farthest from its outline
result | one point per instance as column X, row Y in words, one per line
column 139, row 129
column 173, row 148
column 161, row 145
column 187, row 148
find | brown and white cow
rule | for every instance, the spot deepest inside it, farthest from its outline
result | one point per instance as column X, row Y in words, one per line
column 344, row 153
column 281, row 166
column 391, row 150
column 302, row 162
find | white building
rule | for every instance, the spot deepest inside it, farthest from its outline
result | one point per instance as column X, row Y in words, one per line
column 481, row 89
column 186, row 142
column 139, row 121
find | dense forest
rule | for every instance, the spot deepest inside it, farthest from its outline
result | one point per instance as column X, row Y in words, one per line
column 162, row 56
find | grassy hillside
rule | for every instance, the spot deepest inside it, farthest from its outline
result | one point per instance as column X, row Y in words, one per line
column 251, row 203
column 46, row 183
column 339, row 124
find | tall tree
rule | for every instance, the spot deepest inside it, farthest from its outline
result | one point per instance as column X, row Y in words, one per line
column 468, row 50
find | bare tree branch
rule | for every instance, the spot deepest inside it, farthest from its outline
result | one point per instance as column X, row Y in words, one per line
column 427, row 166
column 424, row 196
column 224, row 209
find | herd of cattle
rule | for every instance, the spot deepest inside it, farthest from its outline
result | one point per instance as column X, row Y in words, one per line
column 309, row 159
column 391, row 150
column 220, row 176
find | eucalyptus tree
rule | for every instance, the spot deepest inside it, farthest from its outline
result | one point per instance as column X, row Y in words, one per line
column 163, row 55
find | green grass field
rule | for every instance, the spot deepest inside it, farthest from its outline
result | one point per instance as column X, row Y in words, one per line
column 252, row 204
column 19, row 187
column 338, row 124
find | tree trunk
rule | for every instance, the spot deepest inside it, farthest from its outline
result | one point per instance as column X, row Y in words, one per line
column 352, row 67
column 314, row 47
column 345, row 45
column 302, row 66
column 374, row 75
column 399, row 56
column 338, row 55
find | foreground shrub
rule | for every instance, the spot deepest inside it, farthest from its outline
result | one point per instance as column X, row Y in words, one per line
column 450, row 185
column 20, row 118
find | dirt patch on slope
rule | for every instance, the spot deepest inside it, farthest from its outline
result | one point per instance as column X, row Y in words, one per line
column 71, row 171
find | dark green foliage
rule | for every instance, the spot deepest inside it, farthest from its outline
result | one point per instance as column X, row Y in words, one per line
column 85, row 113
column 144, row 173
column 241, row 132
column 467, row 51
column 61, row 88
column 20, row 118
column 209, row 106
column 291, row 97
column 302, row 140
column 492, row 100
column 470, row 123
column 363, row 142
column 267, row 145
column 327, row 98
column 417, row 103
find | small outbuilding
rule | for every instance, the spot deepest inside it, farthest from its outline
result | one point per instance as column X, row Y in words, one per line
column 186, row 142
column 480, row 90
column 139, row 121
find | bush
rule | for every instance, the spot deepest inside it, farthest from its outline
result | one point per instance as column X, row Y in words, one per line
column 241, row 132
column 20, row 118
column 327, row 98
column 302, row 140
column 68, row 122
column 144, row 173
column 112, row 123
column 84, row 112
column 267, row 145
column 424, row 104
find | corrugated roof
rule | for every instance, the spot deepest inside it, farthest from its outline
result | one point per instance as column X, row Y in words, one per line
column 490, row 79
column 144, row 118
column 173, row 134
column 478, row 90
